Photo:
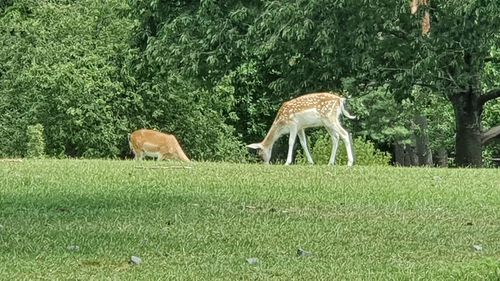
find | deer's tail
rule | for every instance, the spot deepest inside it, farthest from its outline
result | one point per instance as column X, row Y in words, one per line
column 344, row 111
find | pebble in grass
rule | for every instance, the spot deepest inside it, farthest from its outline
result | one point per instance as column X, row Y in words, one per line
column 134, row 260
column 437, row 181
column 73, row 248
column 253, row 261
column 478, row 248
column 302, row 253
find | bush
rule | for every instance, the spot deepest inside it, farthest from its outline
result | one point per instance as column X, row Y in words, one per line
column 78, row 86
column 365, row 153
column 197, row 117
column 35, row 147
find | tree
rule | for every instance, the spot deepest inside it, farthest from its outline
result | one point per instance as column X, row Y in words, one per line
column 272, row 51
column 452, row 59
column 62, row 64
column 185, row 69
column 449, row 57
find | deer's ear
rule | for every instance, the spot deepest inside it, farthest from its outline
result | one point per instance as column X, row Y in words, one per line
column 255, row 146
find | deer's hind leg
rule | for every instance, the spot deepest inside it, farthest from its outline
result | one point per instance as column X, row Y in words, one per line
column 303, row 142
column 335, row 145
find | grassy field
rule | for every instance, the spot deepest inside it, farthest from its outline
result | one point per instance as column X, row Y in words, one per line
column 84, row 219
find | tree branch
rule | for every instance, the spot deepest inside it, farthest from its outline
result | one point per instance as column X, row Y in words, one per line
column 433, row 87
column 398, row 33
column 490, row 95
column 490, row 134
column 492, row 59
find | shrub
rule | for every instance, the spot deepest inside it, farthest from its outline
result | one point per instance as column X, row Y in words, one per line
column 364, row 150
column 35, row 147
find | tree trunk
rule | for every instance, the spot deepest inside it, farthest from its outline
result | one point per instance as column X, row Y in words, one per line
column 422, row 148
column 412, row 152
column 468, row 145
column 411, row 158
column 404, row 155
column 442, row 158
column 399, row 154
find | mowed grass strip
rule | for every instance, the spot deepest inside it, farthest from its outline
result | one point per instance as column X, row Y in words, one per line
column 84, row 219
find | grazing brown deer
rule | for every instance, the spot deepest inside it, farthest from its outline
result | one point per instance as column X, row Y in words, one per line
column 311, row 110
column 152, row 143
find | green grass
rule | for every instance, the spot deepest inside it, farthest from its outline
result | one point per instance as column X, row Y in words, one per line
column 203, row 222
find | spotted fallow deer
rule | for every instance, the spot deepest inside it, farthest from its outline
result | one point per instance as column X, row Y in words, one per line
column 310, row 110
column 152, row 143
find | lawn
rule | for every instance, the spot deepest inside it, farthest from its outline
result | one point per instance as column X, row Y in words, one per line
column 85, row 219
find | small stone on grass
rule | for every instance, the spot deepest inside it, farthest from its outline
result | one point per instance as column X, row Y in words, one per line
column 135, row 260
column 477, row 247
column 252, row 261
column 302, row 253
column 73, row 248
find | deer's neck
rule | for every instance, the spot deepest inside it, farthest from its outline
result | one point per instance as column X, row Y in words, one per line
column 273, row 134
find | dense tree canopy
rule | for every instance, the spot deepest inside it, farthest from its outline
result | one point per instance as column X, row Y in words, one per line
column 215, row 72
column 63, row 66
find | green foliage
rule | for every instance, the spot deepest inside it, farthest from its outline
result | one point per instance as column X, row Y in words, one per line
column 198, row 117
column 215, row 72
column 276, row 50
column 35, row 146
column 62, row 65
column 366, row 154
column 384, row 119
column 191, row 92
column 364, row 150
column 381, row 117
column 491, row 114
column 4, row 4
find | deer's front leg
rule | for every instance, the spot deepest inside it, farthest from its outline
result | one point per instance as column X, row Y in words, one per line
column 291, row 142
